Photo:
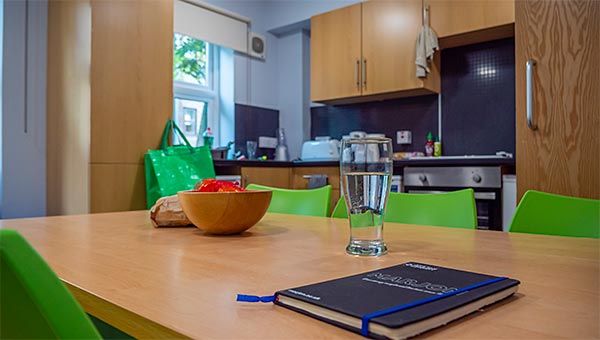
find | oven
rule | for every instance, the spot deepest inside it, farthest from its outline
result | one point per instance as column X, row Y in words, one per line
column 486, row 182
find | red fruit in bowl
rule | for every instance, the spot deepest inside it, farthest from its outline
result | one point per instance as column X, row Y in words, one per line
column 214, row 185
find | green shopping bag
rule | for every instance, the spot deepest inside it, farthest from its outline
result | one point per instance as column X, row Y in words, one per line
column 175, row 168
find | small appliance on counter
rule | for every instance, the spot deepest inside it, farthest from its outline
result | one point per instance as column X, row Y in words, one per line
column 357, row 134
column 219, row 153
column 321, row 149
column 281, row 150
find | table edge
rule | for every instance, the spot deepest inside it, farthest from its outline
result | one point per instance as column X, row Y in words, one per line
column 129, row 322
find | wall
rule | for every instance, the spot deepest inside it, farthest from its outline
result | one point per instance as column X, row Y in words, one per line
column 293, row 95
column 23, row 148
column 283, row 13
column 255, row 79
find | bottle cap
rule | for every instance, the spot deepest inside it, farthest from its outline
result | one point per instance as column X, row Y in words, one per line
column 429, row 136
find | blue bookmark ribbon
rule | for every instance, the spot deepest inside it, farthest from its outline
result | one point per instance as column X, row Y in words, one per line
column 364, row 330
column 254, row 298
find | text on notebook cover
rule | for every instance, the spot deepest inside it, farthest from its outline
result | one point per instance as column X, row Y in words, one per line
column 408, row 283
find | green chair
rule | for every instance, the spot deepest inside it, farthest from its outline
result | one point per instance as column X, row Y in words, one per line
column 340, row 210
column 450, row 209
column 550, row 214
column 313, row 202
column 35, row 303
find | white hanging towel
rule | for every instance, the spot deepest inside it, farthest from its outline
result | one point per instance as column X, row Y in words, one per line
column 427, row 43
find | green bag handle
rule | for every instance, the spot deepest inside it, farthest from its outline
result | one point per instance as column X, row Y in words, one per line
column 165, row 137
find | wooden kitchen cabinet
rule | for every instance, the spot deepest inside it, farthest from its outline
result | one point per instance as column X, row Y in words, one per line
column 389, row 33
column 336, row 54
column 301, row 177
column 110, row 93
column 452, row 17
column 273, row 177
column 559, row 152
column 367, row 52
column 292, row 178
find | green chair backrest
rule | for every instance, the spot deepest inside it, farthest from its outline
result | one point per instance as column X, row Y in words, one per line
column 454, row 209
column 340, row 210
column 312, row 202
column 35, row 303
column 550, row 214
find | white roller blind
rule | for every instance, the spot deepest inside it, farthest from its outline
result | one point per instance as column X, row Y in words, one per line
column 205, row 24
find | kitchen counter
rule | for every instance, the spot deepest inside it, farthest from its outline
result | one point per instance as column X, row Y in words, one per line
column 298, row 174
column 271, row 163
column 424, row 161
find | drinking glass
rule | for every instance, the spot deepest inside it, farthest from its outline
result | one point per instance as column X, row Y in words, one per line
column 366, row 170
column 251, row 149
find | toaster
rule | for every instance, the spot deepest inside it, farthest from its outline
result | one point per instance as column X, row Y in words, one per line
column 321, row 150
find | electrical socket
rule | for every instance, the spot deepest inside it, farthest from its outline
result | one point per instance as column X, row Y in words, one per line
column 403, row 137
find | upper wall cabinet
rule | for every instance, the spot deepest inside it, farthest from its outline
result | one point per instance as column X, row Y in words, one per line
column 367, row 52
column 335, row 54
column 452, row 17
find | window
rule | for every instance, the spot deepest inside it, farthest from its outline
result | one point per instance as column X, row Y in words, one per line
column 195, row 86
column 191, row 61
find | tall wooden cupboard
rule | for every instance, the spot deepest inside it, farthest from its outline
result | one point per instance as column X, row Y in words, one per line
column 109, row 96
column 558, row 123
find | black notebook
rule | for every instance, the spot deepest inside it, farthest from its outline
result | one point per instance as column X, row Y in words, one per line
column 422, row 297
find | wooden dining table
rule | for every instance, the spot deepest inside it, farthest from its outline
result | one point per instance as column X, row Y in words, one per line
column 182, row 283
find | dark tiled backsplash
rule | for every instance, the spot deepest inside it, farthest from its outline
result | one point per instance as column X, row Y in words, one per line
column 478, row 106
column 478, row 101
column 418, row 114
column 252, row 122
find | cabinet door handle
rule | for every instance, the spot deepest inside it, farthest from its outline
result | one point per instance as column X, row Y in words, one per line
column 356, row 73
column 314, row 175
column 530, row 63
column 364, row 74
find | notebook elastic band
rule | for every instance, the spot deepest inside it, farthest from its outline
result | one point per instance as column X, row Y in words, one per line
column 254, row 298
column 365, row 319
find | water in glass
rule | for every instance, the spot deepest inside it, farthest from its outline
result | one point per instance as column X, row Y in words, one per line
column 366, row 185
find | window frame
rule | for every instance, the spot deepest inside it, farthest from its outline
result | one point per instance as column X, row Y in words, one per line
column 208, row 94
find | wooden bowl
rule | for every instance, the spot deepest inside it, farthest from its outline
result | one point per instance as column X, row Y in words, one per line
column 224, row 213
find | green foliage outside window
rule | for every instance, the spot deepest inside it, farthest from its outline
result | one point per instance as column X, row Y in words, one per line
column 190, row 60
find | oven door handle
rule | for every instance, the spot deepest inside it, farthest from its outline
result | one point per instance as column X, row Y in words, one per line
column 488, row 196
column 426, row 192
